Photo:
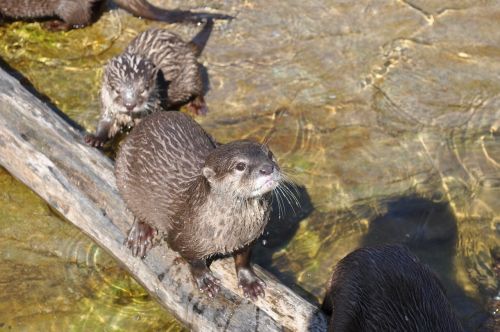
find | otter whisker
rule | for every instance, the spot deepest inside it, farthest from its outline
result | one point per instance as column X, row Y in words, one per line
column 290, row 181
column 285, row 196
column 281, row 204
column 293, row 196
column 278, row 201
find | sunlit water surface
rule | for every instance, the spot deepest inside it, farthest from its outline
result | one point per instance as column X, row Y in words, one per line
column 387, row 114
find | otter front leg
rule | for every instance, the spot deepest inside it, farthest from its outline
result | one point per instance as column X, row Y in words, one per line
column 140, row 238
column 203, row 277
column 252, row 286
column 101, row 134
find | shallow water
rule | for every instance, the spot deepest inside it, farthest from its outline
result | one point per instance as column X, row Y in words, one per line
column 386, row 112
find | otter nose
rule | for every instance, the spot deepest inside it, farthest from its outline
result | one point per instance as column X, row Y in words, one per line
column 130, row 106
column 266, row 169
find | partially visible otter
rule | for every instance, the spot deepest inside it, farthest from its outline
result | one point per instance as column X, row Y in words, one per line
column 79, row 13
column 387, row 289
column 132, row 87
column 208, row 199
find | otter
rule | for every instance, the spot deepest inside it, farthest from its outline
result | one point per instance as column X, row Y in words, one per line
column 80, row 13
column 386, row 289
column 157, row 71
column 208, row 199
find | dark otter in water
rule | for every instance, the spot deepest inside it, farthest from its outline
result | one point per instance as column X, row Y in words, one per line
column 79, row 13
column 208, row 199
column 132, row 87
column 387, row 289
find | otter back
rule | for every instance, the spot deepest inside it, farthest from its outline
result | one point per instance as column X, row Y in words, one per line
column 176, row 60
column 387, row 289
column 157, row 162
column 74, row 12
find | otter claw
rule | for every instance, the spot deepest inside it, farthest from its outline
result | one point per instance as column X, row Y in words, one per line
column 208, row 284
column 56, row 25
column 94, row 141
column 253, row 290
column 198, row 106
column 140, row 239
column 252, row 286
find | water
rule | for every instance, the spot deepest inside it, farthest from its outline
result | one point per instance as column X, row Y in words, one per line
column 386, row 112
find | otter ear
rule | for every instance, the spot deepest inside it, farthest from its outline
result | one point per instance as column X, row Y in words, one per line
column 208, row 173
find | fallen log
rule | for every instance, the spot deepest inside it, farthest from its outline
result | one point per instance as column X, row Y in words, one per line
column 47, row 154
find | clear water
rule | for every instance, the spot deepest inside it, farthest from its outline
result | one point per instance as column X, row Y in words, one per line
column 386, row 112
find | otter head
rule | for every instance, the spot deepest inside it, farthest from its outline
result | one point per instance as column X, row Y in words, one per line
column 242, row 169
column 130, row 84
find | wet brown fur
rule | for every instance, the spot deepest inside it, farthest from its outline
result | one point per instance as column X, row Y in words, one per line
column 387, row 289
column 79, row 13
column 157, row 71
column 177, row 180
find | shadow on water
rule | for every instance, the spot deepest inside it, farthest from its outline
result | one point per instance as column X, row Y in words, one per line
column 429, row 229
column 44, row 98
column 284, row 223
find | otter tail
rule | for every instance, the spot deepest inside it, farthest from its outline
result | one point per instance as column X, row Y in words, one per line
column 144, row 9
column 199, row 41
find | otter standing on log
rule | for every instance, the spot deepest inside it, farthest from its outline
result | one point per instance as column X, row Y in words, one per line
column 208, row 199
column 132, row 87
column 79, row 13
column 384, row 289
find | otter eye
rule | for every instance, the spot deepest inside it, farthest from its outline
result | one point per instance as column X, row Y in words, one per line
column 241, row 166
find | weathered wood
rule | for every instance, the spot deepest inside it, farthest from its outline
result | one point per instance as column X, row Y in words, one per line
column 42, row 150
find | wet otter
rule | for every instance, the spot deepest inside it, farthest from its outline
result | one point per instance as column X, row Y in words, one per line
column 79, row 13
column 387, row 289
column 133, row 84
column 208, row 199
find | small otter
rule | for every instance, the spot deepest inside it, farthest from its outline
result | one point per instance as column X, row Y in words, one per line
column 208, row 199
column 133, row 84
column 79, row 13
column 387, row 289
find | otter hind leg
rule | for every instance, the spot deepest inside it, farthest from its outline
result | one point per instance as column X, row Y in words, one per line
column 205, row 280
column 198, row 106
column 140, row 238
column 252, row 286
column 56, row 25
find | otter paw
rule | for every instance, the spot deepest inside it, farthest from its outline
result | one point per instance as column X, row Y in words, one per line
column 56, row 25
column 198, row 107
column 208, row 284
column 140, row 239
column 94, row 141
column 252, row 286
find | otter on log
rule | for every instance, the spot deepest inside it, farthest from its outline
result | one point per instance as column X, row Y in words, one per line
column 157, row 71
column 80, row 13
column 387, row 289
column 208, row 199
